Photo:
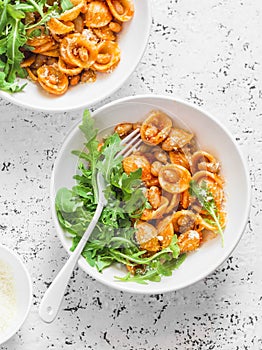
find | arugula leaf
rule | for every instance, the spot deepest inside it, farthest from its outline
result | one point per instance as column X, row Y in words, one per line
column 14, row 13
column 34, row 33
column 127, row 183
column 132, row 192
column 109, row 151
column 25, row 7
column 103, row 262
column 3, row 15
column 166, row 268
column 174, row 247
column 206, row 199
column 52, row 11
column 112, row 214
column 15, row 40
column 146, row 260
column 83, row 192
column 66, row 5
column 9, row 87
column 65, row 201
column 74, row 212
column 88, row 255
column 135, row 205
column 154, row 273
column 141, row 279
column 13, row 37
column 38, row 6
column 88, row 129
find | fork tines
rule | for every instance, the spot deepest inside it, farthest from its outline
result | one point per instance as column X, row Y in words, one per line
column 131, row 143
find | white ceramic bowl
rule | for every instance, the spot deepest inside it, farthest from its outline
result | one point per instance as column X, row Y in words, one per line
column 211, row 136
column 132, row 41
column 23, row 291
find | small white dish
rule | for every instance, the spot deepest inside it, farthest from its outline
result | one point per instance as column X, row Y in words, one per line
column 132, row 42
column 23, row 291
column 212, row 137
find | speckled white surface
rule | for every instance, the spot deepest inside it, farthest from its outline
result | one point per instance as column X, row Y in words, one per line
column 208, row 52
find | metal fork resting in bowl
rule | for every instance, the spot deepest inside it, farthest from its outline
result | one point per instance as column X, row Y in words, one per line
column 53, row 297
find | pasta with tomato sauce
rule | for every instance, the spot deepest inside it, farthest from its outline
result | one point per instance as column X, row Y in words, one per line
column 75, row 46
column 182, row 183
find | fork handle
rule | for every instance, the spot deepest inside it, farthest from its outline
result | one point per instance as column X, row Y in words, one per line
column 52, row 299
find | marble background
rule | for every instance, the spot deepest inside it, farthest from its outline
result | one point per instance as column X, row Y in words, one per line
column 207, row 52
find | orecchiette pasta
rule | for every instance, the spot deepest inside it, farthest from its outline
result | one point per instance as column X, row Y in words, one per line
column 155, row 128
column 69, row 70
column 165, row 231
column 214, row 183
column 154, row 196
column 77, row 51
column 42, row 44
column 124, row 129
column 105, row 33
column 122, row 10
column 179, row 158
column 151, row 214
column 174, row 178
column 189, row 240
column 177, row 138
column 108, row 56
column 82, row 40
column 146, row 236
column 58, row 27
column 73, row 13
column 184, row 220
column 134, row 162
column 170, row 163
column 173, row 202
column 52, row 79
column 202, row 160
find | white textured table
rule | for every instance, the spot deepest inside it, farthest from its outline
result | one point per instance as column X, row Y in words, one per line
column 208, row 52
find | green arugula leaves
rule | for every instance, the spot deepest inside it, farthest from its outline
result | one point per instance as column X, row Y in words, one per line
column 66, row 5
column 13, row 36
column 113, row 239
column 91, row 153
column 206, row 199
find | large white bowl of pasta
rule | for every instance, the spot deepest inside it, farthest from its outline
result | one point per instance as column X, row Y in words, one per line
column 76, row 55
column 182, row 235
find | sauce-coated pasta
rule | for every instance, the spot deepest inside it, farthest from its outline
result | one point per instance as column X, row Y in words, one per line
column 171, row 163
column 73, row 47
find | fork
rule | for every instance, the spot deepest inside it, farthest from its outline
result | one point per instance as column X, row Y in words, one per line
column 53, row 297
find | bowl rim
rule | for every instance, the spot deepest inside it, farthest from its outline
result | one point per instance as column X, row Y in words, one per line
column 9, row 96
column 15, row 256
column 245, row 215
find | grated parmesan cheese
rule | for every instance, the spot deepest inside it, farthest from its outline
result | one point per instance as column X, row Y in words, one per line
column 7, row 297
column 193, row 234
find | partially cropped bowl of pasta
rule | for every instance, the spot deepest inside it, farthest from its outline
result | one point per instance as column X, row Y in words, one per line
column 173, row 213
column 67, row 54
